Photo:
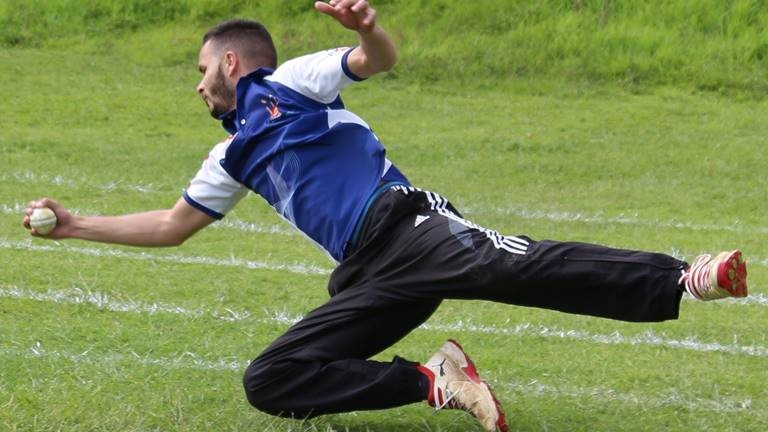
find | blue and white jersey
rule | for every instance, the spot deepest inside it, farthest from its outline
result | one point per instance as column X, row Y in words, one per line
column 294, row 144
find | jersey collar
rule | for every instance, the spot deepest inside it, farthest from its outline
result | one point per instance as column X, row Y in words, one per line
column 229, row 121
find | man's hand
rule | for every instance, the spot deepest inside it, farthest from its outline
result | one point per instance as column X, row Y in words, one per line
column 355, row 15
column 63, row 216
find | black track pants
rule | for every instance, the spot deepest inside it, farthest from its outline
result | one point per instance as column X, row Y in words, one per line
column 414, row 251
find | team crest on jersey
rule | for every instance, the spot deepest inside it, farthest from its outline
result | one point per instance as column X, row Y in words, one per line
column 272, row 107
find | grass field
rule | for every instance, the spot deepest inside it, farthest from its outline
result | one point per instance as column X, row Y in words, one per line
column 711, row 45
column 104, row 338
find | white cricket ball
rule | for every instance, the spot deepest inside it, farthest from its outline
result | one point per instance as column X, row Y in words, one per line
column 43, row 220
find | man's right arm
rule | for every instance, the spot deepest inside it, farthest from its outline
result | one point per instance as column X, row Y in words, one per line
column 210, row 195
column 169, row 227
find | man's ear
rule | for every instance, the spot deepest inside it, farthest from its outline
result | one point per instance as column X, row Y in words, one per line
column 231, row 63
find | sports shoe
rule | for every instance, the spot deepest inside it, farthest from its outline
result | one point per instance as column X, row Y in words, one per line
column 715, row 278
column 455, row 384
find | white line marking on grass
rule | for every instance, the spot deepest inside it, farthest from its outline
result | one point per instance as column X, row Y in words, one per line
column 17, row 209
column 308, row 269
column 276, row 229
column 189, row 360
column 31, row 177
column 186, row 360
column 669, row 398
column 13, row 209
column 555, row 216
column 253, row 227
column 106, row 302
column 647, row 338
column 103, row 301
column 752, row 300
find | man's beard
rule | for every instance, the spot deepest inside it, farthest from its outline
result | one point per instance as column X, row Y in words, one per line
column 222, row 97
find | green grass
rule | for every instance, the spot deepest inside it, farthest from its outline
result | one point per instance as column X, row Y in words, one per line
column 708, row 45
column 113, row 125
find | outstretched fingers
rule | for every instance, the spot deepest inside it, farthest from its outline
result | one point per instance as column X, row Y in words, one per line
column 355, row 15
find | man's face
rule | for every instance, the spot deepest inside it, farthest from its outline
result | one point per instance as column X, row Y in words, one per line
column 217, row 91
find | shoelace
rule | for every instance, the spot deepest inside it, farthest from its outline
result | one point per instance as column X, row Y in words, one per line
column 696, row 279
column 450, row 401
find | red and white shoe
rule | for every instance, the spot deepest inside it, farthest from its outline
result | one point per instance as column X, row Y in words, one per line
column 455, row 384
column 714, row 278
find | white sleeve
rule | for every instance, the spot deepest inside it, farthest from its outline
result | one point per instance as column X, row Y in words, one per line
column 212, row 190
column 319, row 76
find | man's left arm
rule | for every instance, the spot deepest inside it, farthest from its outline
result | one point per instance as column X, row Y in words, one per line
column 376, row 52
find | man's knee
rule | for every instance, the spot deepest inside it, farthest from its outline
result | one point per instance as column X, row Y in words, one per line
column 268, row 388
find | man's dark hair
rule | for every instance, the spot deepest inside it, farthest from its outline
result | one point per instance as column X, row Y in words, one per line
column 249, row 39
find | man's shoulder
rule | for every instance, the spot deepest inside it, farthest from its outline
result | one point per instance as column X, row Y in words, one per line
column 313, row 57
column 220, row 149
column 318, row 76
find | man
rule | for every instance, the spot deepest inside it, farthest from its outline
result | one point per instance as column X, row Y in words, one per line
column 400, row 250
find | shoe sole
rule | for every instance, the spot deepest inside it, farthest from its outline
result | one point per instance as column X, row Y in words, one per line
column 471, row 372
column 732, row 274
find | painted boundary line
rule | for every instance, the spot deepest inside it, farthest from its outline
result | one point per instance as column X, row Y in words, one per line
column 601, row 394
column 13, row 209
column 649, row 338
column 186, row 360
column 104, row 301
column 470, row 210
column 559, row 216
column 17, row 209
column 300, row 268
column 277, row 229
column 189, row 360
column 28, row 177
column 753, row 300
column 253, row 227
